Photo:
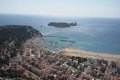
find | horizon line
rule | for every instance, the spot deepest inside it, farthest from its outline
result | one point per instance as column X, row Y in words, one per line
column 58, row 16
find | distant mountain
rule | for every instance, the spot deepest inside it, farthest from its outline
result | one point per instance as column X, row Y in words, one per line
column 11, row 39
column 61, row 24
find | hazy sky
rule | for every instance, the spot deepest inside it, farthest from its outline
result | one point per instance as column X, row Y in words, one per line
column 81, row 8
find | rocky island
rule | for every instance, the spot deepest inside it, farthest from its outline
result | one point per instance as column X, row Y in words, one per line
column 61, row 24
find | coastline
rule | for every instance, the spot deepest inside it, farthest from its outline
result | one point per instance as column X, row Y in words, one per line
column 88, row 54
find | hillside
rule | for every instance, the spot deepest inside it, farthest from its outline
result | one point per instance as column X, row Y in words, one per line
column 11, row 39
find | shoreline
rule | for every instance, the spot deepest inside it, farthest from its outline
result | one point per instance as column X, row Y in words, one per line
column 88, row 54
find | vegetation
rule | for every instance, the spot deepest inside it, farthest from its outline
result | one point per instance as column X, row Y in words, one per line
column 16, row 32
column 62, row 24
column 11, row 39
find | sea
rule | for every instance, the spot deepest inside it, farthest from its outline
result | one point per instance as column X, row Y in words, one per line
column 91, row 34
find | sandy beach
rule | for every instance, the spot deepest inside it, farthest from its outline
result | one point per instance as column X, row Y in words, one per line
column 87, row 54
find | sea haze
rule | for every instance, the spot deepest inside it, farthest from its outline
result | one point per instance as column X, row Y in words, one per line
column 91, row 34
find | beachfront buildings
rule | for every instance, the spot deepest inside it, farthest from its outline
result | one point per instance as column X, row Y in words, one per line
column 40, row 64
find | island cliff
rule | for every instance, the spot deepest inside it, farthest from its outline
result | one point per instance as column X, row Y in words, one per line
column 61, row 24
column 11, row 39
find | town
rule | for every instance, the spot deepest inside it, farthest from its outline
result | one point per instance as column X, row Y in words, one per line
column 38, row 63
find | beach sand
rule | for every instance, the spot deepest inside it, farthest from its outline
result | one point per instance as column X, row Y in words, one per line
column 87, row 54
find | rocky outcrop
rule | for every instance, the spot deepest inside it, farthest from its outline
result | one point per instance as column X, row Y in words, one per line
column 61, row 24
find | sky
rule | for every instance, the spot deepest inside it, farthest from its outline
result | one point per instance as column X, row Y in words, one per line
column 62, row 8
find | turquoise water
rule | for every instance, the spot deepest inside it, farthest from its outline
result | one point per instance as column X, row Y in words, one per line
column 97, row 38
column 91, row 34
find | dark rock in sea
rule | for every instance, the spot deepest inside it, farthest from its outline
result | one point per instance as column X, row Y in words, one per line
column 61, row 24
column 11, row 39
